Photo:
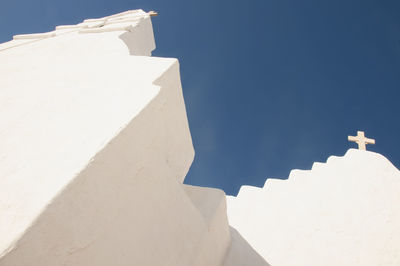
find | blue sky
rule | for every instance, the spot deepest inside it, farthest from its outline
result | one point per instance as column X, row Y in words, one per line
column 269, row 85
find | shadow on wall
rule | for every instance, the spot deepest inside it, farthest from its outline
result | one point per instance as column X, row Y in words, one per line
column 140, row 39
column 241, row 253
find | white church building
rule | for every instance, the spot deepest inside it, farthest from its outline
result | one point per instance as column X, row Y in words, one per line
column 95, row 146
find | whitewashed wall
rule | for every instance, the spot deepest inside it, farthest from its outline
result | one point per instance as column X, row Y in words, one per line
column 344, row 212
column 94, row 147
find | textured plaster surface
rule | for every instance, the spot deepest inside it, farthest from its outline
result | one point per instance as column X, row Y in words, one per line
column 343, row 212
column 94, row 146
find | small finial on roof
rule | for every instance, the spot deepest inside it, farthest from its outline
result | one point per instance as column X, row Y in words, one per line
column 361, row 140
column 153, row 13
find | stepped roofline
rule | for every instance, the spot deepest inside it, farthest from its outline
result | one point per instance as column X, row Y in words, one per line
column 350, row 154
column 127, row 21
column 121, row 21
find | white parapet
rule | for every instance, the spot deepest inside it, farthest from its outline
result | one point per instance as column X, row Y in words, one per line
column 344, row 212
column 133, row 27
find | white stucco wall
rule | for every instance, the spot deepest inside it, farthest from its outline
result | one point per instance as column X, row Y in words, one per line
column 94, row 145
column 344, row 212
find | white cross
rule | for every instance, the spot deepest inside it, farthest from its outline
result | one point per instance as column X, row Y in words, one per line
column 361, row 140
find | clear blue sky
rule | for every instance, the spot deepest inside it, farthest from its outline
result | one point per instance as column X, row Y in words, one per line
column 269, row 85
